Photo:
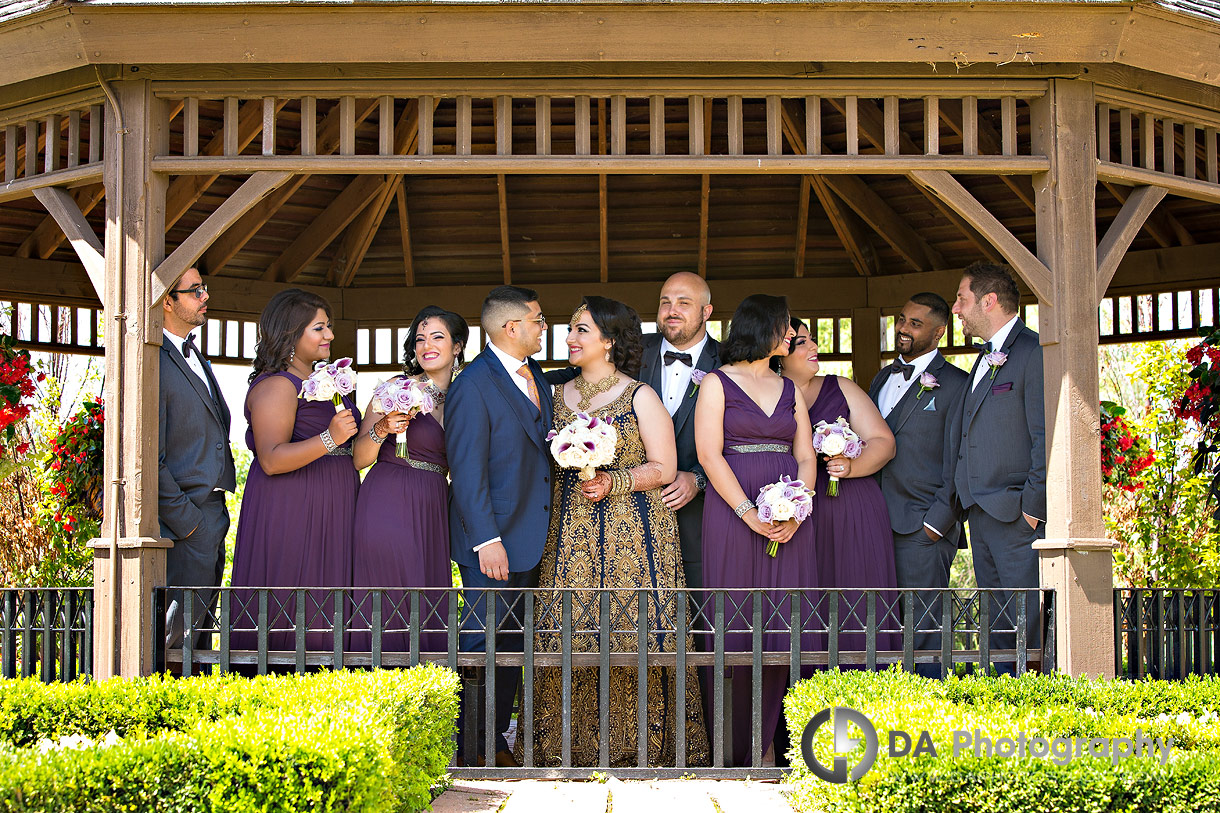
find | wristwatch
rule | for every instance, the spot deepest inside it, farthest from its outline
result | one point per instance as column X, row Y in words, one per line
column 700, row 480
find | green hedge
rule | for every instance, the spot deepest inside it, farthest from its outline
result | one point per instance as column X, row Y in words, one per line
column 346, row 741
column 1045, row 706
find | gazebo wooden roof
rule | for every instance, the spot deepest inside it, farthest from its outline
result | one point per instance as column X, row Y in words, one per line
column 392, row 154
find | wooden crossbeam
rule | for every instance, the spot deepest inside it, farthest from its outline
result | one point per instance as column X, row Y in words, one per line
column 62, row 207
column 233, row 240
column 325, row 227
column 256, row 187
column 1122, row 231
column 1032, row 270
column 69, row 178
column 871, row 122
column 186, row 189
column 47, row 236
column 1174, row 184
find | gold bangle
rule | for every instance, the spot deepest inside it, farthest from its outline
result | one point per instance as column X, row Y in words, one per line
column 621, row 482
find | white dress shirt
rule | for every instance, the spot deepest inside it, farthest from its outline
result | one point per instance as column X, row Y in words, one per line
column 194, row 361
column 512, row 364
column 675, row 378
column 997, row 341
column 897, row 384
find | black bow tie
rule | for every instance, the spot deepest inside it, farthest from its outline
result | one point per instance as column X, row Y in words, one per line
column 671, row 357
column 907, row 370
column 188, row 347
column 985, row 348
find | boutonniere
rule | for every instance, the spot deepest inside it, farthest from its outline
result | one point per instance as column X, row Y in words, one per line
column 927, row 383
column 696, row 378
column 995, row 360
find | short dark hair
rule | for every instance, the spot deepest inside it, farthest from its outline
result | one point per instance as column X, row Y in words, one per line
column 281, row 325
column 759, row 322
column 620, row 324
column 459, row 331
column 937, row 307
column 504, row 297
column 990, row 278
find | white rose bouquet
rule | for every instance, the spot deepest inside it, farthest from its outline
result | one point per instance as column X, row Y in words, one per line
column 836, row 440
column 330, row 381
column 405, row 395
column 781, row 501
column 587, row 443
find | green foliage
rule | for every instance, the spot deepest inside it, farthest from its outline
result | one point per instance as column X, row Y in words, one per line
column 1046, row 706
column 350, row 741
column 1165, row 532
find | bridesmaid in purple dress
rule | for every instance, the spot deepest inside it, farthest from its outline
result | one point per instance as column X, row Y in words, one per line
column 855, row 547
column 402, row 515
column 295, row 527
column 751, row 427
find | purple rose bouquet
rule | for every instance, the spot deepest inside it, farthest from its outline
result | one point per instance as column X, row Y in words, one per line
column 330, row 381
column 836, row 440
column 405, row 395
column 781, row 501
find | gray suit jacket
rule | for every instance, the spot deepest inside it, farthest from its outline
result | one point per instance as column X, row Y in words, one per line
column 1000, row 433
column 193, row 445
column 914, row 483
column 690, row 516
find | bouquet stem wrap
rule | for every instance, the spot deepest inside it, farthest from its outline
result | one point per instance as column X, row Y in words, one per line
column 400, row 445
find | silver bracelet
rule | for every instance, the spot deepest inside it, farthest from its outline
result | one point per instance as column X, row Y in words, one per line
column 741, row 510
column 378, row 439
column 328, row 441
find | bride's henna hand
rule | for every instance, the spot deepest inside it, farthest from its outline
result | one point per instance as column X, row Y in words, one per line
column 597, row 488
column 646, row 477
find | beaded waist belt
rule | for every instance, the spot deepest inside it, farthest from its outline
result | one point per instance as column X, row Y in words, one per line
column 340, row 452
column 747, row 448
column 420, row 464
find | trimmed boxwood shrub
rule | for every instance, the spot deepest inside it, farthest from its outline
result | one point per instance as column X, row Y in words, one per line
column 1045, row 706
column 345, row 741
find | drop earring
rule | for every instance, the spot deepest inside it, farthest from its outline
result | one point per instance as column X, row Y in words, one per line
column 608, row 352
column 292, row 354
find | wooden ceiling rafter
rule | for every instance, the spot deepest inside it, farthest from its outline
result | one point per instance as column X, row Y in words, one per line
column 871, row 122
column 364, row 228
column 240, row 233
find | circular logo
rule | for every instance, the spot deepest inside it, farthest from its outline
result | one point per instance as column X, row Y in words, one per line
column 843, row 744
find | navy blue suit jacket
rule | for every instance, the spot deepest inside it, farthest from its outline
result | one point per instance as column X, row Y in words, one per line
column 499, row 463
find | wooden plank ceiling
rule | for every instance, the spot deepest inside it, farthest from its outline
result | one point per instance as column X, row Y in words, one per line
column 535, row 229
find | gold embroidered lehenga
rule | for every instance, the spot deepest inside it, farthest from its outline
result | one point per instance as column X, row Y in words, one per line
column 626, row 541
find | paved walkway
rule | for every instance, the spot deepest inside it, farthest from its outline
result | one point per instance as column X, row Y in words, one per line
column 670, row 796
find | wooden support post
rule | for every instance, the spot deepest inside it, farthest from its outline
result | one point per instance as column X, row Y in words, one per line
column 865, row 344
column 129, row 555
column 1076, row 558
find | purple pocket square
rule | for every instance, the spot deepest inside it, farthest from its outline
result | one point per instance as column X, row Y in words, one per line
column 998, row 388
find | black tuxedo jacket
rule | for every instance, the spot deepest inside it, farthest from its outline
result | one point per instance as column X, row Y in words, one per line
column 914, row 482
column 193, row 454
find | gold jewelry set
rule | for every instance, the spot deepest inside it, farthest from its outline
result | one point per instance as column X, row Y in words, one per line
column 589, row 390
column 621, row 482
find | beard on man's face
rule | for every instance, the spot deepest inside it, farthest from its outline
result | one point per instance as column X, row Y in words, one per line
column 682, row 332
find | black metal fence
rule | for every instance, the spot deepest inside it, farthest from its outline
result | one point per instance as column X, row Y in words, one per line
column 1166, row 633
column 47, row 632
column 698, row 637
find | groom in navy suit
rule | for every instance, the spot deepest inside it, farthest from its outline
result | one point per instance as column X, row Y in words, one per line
column 497, row 415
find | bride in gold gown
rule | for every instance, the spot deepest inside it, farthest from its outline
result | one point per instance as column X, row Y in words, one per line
column 613, row 531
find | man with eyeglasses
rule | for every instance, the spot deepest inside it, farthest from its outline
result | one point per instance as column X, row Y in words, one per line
column 195, row 464
column 497, row 415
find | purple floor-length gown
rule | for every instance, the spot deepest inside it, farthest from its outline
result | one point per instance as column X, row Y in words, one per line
column 295, row 530
column 853, row 540
column 736, row 557
column 402, row 538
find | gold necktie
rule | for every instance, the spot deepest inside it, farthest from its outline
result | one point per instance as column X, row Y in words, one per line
column 530, row 386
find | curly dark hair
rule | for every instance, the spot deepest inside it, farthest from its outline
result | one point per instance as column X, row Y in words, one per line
column 759, row 323
column 280, row 326
column 619, row 324
column 459, row 331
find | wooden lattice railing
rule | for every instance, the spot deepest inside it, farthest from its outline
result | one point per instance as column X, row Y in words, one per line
column 58, row 142
column 860, row 126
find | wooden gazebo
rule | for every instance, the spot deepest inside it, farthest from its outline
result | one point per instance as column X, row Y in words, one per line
column 392, row 154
